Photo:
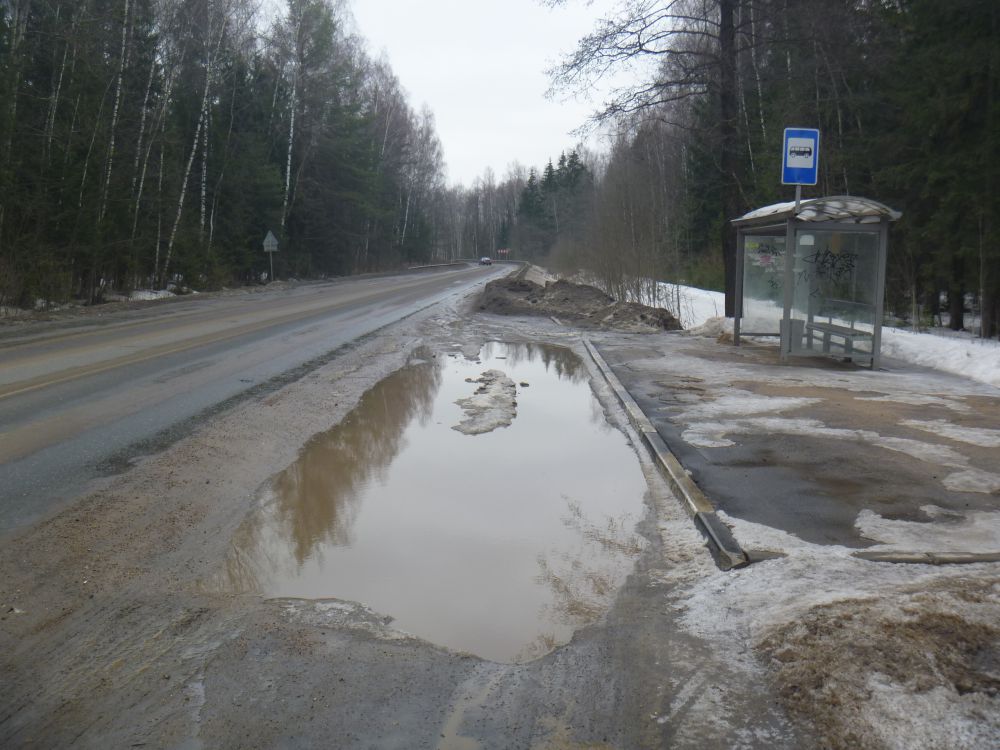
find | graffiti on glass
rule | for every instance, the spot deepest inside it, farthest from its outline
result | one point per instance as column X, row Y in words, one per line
column 827, row 266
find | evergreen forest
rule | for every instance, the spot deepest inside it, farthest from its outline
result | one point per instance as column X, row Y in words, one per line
column 155, row 142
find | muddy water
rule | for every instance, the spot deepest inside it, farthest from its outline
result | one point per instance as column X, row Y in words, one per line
column 499, row 544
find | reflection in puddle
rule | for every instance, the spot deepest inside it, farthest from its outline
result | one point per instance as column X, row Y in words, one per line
column 500, row 544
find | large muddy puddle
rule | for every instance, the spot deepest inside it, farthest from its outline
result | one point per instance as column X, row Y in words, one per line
column 500, row 543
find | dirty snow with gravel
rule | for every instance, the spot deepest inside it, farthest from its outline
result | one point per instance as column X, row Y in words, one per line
column 977, row 359
column 871, row 654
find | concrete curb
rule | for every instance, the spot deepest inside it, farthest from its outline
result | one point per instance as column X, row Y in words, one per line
column 929, row 558
column 724, row 548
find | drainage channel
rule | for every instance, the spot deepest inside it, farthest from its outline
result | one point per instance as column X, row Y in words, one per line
column 484, row 503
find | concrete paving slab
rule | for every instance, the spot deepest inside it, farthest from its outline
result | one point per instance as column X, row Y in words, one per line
column 898, row 460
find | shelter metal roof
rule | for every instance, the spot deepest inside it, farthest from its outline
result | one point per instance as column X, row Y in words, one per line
column 837, row 208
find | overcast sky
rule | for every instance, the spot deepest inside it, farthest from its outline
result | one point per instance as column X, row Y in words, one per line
column 479, row 66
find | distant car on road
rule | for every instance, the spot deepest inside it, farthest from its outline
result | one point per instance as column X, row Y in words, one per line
column 484, row 261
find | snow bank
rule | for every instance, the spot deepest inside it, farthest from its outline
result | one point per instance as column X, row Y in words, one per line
column 143, row 295
column 977, row 359
column 691, row 306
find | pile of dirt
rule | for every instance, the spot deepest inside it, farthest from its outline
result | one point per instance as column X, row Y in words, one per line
column 583, row 305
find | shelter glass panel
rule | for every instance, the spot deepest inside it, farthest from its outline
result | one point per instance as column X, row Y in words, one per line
column 763, row 283
column 833, row 298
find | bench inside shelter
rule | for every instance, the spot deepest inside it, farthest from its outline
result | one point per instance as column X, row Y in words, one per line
column 833, row 327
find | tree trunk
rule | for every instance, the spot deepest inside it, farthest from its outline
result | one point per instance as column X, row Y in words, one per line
column 114, row 117
column 989, row 252
column 406, row 219
column 186, row 177
column 729, row 139
column 756, row 72
column 205, row 117
column 160, row 123
column 159, row 211
column 222, row 168
column 139, row 166
column 956, row 294
column 291, row 134
column 50, row 123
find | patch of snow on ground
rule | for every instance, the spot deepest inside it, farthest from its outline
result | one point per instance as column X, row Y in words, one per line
column 903, row 719
column 973, row 480
column 142, row 295
column 744, row 403
column 920, row 399
column 982, row 437
column 814, row 428
column 977, row 359
column 975, row 532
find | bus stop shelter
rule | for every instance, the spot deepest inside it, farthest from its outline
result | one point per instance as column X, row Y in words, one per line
column 813, row 274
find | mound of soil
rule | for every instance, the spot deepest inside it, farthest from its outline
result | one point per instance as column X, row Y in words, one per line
column 584, row 305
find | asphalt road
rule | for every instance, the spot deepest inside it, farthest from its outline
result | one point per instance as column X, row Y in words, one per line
column 82, row 399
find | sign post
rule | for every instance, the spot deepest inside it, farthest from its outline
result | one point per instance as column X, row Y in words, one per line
column 271, row 247
column 800, row 159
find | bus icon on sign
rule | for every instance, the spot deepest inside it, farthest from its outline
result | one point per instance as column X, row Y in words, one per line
column 800, row 153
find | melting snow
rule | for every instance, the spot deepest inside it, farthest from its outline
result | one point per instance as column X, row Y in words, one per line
column 920, row 399
column 744, row 403
column 493, row 405
column 903, row 719
column 973, row 480
column 973, row 435
column 975, row 532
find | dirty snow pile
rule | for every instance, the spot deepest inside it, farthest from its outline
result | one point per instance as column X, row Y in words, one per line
column 977, row 359
column 871, row 656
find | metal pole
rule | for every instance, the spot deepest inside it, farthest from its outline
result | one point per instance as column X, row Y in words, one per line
column 789, row 290
column 271, row 258
column 740, row 263
column 798, row 199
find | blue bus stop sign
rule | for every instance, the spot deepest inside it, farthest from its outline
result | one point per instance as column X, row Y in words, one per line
column 800, row 163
